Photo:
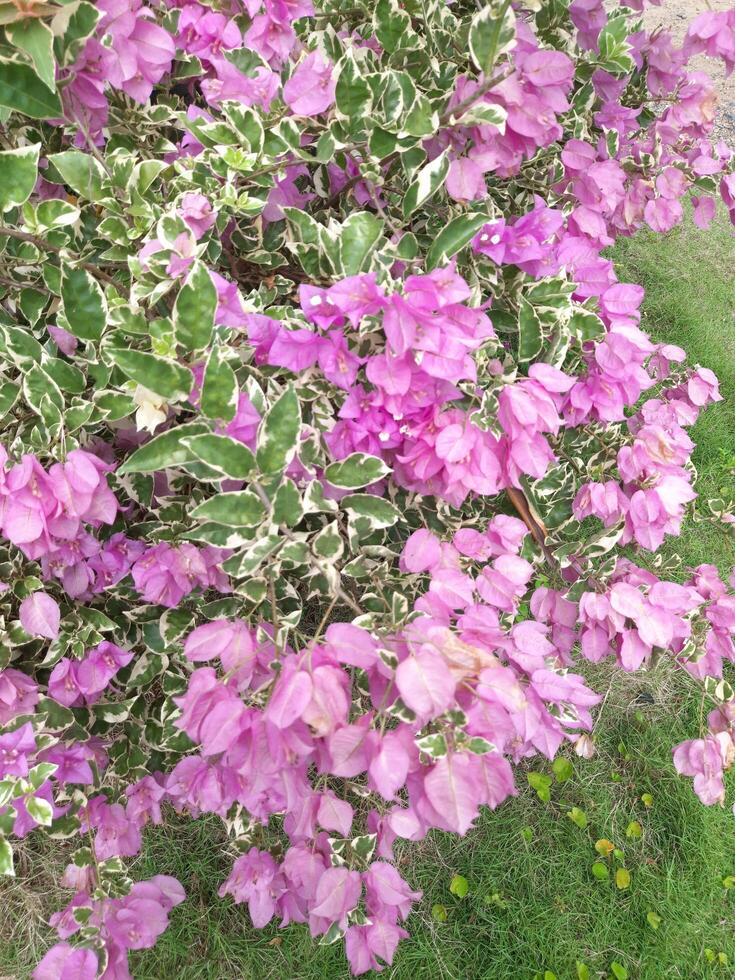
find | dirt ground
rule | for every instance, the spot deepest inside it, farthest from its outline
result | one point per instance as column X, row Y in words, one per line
column 675, row 15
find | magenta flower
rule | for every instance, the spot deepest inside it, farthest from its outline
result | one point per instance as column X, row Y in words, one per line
column 310, row 90
column 705, row 759
column 64, row 962
column 40, row 616
column 18, row 694
column 337, row 894
column 116, row 834
column 256, row 879
column 144, row 800
column 15, row 748
column 197, row 212
column 165, row 574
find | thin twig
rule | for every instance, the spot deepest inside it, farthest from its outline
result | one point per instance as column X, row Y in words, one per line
column 455, row 113
column 24, row 236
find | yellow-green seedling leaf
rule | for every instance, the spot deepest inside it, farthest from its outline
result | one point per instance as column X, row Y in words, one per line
column 622, row 878
column 459, row 886
column 653, row 919
column 562, row 769
column 542, row 784
column 578, row 817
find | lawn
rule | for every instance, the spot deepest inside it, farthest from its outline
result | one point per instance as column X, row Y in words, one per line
column 533, row 902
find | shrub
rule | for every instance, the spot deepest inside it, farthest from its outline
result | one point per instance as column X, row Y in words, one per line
column 330, row 435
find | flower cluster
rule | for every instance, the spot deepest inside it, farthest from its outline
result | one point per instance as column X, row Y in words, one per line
column 478, row 691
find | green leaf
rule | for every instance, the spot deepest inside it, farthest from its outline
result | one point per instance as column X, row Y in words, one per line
column 586, row 325
column 160, row 375
column 583, row 971
column 9, row 392
column 193, row 315
column 23, row 91
column 653, row 919
column 530, row 334
column 81, row 172
column 379, row 511
column 19, row 170
column 40, row 773
column 634, row 829
column 622, row 878
column 85, row 307
column 562, row 769
column 439, row 913
column 220, row 392
column 40, row 810
column 241, row 508
column 66, row 376
column 479, row 745
column 278, row 434
column 485, row 114
column 38, row 385
column 245, row 60
column 6, row 858
column 34, row 37
column 32, row 303
column 459, row 886
column 168, row 449
column 288, row 507
column 618, row 971
column 357, row 470
column 578, row 817
column 428, row 181
column 391, row 25
column 352, row 94
column 540, row 782
column 600, row 871
column 433, row 744
column 614, row 48
column 328, row 542
column 453, row 238
column 492, row 33
column 230, row 457
column 80, row 25
column 604, row 847
column 357, row 241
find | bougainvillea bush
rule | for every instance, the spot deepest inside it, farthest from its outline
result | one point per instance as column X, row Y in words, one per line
column 332, row 445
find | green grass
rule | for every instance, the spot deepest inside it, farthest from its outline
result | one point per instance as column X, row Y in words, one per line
column 533, row 903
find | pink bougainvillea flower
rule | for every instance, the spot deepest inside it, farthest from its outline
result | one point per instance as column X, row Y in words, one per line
column 310, row 90
column 40, row 615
